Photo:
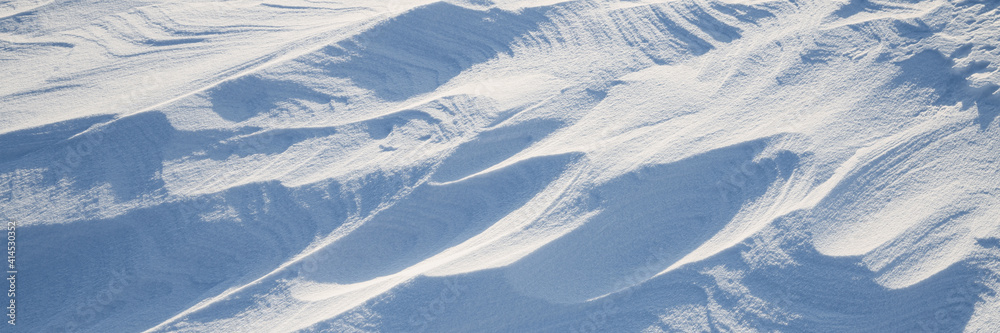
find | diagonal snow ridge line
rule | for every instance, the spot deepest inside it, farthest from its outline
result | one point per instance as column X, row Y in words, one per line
column 930, row 129
column 927, row 130
column 317, row 246
column 303, row 46
column 397, row 278
column 260, row 64
column 317, row 37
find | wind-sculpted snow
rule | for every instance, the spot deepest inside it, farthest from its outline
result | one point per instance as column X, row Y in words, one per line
column 502, row 166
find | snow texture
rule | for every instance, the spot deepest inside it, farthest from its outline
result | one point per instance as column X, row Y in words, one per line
column 502, row 166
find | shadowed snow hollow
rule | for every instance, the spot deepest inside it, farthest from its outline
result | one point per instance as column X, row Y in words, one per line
column 502, row 166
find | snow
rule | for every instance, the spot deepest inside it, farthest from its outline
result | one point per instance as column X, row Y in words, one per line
column 502, row 166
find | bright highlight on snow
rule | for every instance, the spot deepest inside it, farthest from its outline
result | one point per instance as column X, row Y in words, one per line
column 501, row 166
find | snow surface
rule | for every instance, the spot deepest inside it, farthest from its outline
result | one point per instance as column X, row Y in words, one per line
column 502, row 166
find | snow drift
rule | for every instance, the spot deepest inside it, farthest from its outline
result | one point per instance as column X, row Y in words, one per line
column 502, row 166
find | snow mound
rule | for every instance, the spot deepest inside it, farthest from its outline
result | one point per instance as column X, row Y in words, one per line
column 502, row 166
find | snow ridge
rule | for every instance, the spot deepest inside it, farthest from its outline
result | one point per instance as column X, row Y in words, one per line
column 507, row 166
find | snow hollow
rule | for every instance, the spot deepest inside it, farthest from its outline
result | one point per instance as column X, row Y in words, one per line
column 501, row 165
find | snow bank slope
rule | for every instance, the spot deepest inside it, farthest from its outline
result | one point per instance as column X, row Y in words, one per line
column 508, row 166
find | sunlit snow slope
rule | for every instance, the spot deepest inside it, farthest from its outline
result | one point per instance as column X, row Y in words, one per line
column 506, row 166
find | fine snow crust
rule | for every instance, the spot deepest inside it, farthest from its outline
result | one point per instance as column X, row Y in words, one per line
column 502, row 166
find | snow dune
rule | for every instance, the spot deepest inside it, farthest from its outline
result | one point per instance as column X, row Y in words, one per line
column 503, row 166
